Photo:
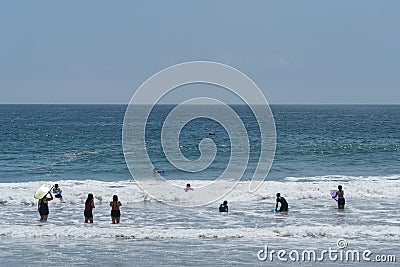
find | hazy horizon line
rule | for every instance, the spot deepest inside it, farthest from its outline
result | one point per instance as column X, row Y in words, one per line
column 125, row 104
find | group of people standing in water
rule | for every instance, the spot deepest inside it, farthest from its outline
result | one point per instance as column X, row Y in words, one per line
column 284, row 206
column 115, row 204
column 43, row 206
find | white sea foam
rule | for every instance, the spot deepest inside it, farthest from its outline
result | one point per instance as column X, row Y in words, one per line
column 106, row 231
column 294, row 188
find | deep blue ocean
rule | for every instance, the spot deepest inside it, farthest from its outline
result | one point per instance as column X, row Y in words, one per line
column 48, row 142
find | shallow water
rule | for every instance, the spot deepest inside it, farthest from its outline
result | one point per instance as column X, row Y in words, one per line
column 154, row 233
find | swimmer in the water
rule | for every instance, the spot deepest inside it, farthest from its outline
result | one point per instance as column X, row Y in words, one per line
column 188, row 188
column 157, row 171
column 284, row 205
column 223, row 207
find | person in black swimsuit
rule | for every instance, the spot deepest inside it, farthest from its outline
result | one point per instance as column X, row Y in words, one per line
column 340, row 194
column 115, row 211
column 89, row 206
column 223, row 207
column 43, row 207
column 284, row 205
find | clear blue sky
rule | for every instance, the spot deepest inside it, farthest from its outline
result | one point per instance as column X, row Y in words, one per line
column 296, row 51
